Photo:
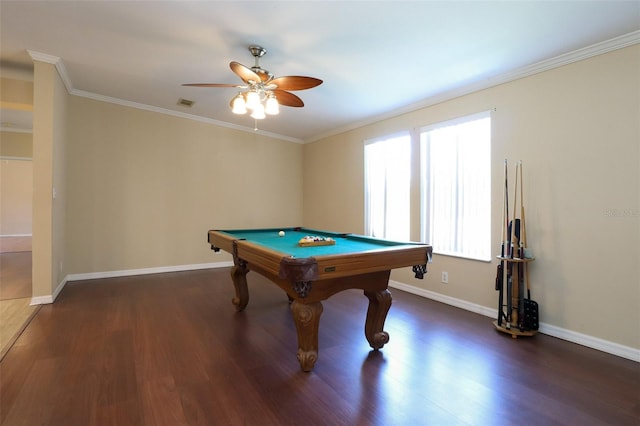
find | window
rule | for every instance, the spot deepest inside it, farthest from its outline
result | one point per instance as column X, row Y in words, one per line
column 456, row 186
column 387, row 164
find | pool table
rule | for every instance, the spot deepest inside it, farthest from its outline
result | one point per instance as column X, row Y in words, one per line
column 311, row 274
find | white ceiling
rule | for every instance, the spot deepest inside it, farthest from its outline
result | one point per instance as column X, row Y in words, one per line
column 377, row 58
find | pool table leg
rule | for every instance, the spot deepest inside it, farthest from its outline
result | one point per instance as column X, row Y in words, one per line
column 379, row 304
column 239, row 277
column 307, row 320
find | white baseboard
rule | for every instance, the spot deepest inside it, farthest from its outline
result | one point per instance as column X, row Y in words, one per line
column 43, row 300
column 591, row 342
column 548, row 329
column 146, row 271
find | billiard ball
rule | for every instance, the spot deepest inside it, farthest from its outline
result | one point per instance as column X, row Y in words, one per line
column 281, row 233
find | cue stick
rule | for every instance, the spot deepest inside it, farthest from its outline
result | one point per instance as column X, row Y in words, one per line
column 521, row 241
column 500, row 272
column 514, row 244
column 505, row 212
column 524, row 232
column 509, row 252
column 513, row 221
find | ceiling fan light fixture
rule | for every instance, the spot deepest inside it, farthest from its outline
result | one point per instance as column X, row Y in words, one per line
column 253, row 99
column 271, row 105
column 258, row 95
column 239, row 106
column 258, row 112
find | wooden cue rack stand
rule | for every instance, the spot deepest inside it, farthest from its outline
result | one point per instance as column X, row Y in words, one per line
column 514, row 270
column 517, row 313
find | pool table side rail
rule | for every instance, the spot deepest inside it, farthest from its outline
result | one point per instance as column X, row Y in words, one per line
column 307, row 231
column 310, row 231
column 321, row 267
column 380, row 241
column 252, row 253
column 335, row 266
column 221, row 241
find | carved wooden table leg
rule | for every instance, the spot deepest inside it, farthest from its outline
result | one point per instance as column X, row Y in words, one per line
column 307, row 320
column 379, row 304
column 239, row 277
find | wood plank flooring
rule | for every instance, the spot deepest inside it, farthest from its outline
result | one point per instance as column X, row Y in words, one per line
column 169, row 349
column 15, row 297
column 15, row 275
column 15, row 314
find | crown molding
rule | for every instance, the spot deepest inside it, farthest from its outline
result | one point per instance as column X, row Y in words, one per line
column 59, row 64
column 151, row 108
column 54, row 60
column 43, row 57
column 546, row 65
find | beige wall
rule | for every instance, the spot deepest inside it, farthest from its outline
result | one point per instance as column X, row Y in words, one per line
column 144, row 188
column 576, row 130
column 15, row 197
column 16, row 174
column 16, row 94
column 49, row 140
column 16, row 145
column 59, row 160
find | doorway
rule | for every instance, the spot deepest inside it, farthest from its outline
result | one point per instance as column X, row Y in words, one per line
column 16, row 193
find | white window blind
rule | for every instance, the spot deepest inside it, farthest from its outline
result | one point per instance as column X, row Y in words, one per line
column 387, row 187
column 456, row 186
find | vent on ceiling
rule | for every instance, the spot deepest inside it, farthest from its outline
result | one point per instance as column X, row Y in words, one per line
column 185, row 102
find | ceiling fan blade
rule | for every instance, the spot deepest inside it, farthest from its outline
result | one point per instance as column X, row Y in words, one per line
column 288, row 99
column 245, row 73
column 295, row 82
column 212, row 85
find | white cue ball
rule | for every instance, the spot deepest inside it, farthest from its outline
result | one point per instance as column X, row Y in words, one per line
column 281, row 233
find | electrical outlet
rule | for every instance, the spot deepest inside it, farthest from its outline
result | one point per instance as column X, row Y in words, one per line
column 445, row 277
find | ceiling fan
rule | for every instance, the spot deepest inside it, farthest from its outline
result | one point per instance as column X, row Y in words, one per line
column 262, row 93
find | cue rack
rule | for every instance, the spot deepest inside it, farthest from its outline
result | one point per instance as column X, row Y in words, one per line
column 517, row 313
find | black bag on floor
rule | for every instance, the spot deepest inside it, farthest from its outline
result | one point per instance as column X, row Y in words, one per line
column 530, row 319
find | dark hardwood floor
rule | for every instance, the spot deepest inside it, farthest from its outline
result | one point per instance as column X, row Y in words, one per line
column 169, row 349
column 15, row 275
